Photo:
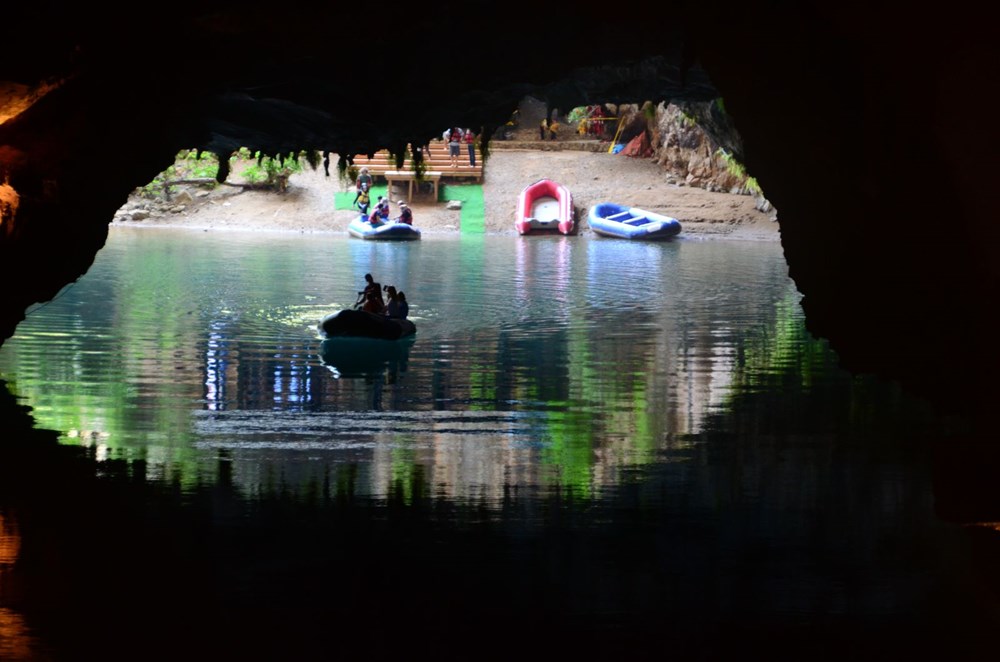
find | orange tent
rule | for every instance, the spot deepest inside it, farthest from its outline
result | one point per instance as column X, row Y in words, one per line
column 638, row 146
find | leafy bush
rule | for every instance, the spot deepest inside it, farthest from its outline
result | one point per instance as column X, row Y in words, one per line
column 576, row 114
column 266, row 171
column 347, row 172
column 254, row 168
column 188, row 164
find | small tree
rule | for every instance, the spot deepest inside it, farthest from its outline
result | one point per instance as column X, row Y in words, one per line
column 265, row 171
column 189, row 164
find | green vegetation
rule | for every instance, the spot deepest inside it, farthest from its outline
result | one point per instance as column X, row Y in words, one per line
column 736, row 169
column 193, row 163
column 254, row 168
column 687, row 120
column 189, row 164
column 576, row 114
column 419, row 168
column 347, row 172
column 267, row 171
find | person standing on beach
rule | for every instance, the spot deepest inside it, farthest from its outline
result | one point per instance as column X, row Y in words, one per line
column 454, row 144
column 364, row 180
column 543, row 128
column 362, row 200
column 470, row 140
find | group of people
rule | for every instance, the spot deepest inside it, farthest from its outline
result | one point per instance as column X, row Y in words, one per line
column 456, row 137
column 393, row 305
column 547, row 127
column 593, row 123
column 381, row 212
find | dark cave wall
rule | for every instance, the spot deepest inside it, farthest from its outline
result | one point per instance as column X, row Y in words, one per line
column 891, row 121
column 72, row 159
column 892, row 251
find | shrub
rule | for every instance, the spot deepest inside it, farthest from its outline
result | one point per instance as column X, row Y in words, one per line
column 266, row 171
column 191, row 164
column 188, row 164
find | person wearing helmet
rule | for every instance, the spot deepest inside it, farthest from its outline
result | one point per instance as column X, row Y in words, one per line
column 405, row 214
column 364, row 180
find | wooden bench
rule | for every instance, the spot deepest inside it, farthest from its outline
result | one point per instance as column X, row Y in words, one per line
column 409, row 177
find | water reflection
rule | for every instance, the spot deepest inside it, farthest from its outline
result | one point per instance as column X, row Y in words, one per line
column 614, row 446
column 579, row 359
column 364, row 357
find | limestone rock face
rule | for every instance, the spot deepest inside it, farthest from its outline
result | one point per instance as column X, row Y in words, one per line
column 691, row 142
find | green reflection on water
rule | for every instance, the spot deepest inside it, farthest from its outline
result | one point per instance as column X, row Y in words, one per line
column 593, row 419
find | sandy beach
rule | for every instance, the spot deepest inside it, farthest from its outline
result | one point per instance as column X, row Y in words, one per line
column 308, row 204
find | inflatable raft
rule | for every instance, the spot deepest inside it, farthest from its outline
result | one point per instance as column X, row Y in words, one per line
column 358, row 323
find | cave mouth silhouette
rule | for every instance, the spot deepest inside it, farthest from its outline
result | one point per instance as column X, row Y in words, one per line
column 839, row 118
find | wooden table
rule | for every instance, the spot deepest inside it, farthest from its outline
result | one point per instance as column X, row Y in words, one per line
column 409, row 177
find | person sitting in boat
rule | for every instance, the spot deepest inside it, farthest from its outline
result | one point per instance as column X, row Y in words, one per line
column 382, row 209
column 403, row 307
column 370, row 287
column 391, row 302
column 405, row 214
column 373, row 304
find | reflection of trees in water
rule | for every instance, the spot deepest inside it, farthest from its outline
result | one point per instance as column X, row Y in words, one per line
column 533, row 362
column 789, row 382
column 595, row 356
column 608, row 393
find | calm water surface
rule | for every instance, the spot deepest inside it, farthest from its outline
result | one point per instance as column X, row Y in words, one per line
column 634, row 443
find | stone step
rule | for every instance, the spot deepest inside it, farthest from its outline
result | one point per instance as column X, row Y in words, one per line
column 552, row 145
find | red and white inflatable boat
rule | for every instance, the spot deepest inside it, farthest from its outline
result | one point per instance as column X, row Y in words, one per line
column 545, row 206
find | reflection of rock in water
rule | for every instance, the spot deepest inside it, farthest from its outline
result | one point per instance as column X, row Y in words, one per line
column 366, row 357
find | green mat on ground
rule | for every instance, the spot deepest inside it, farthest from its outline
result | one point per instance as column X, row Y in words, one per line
column 473, row 216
